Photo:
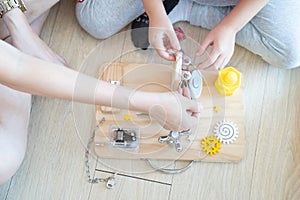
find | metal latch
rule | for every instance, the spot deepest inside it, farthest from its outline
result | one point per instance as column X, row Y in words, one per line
column 174, row 138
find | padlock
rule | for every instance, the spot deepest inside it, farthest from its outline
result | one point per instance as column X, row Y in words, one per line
column 111, row 182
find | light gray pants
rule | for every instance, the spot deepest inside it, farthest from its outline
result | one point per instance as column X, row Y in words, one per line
column 273, row 33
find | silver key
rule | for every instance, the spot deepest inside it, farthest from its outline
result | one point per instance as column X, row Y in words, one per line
column 186, row 60
column 185, row 77
column 183, row 84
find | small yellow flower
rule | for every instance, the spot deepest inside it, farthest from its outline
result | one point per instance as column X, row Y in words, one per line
column 217, row 108
column 127, row 117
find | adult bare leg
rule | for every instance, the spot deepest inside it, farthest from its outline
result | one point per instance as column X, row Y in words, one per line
column 25, row 39
column 35, row 9
column 36, row 26
column 14, row 117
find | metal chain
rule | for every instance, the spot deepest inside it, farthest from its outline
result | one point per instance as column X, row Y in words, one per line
column 109, row 180
column 170, row 171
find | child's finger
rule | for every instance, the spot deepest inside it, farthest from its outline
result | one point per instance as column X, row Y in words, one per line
column 162, row 51
column 217, row 64
column 174, row 42
column 164, row 54
column 203, row 46
column 213, row 56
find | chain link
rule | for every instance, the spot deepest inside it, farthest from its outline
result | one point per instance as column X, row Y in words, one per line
column 87, row 158
column 110, row 181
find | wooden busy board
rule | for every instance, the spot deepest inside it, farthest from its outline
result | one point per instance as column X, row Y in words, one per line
column 159, row 78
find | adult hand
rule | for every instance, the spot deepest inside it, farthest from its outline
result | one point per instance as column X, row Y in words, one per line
column 185, row 91
column 163, row 37
column 175, row 112
column 222, row 40
column 26, row 40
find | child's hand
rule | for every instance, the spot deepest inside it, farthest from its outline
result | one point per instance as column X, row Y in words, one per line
column 222, row 40
column 163, row 37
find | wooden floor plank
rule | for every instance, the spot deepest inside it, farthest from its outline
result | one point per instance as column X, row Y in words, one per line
column 277, row 168
column 292, row 181
column 50, row 22
column 54, row 165
column 130, row 188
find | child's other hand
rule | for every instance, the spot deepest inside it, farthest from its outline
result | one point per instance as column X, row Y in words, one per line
column 222, row 40
column 163, row 37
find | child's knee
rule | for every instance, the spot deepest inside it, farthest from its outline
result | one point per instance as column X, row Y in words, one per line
column 289, row 58
column 284, row 55
column 10, row 160
column 96, row 24
column 292, row 58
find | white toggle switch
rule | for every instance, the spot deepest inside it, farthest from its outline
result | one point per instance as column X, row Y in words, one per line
column 195, row 84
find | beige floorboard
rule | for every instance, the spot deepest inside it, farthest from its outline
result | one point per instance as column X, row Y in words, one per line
column 52, row 149
column 129, row 188
column 137, row 168
column 277, row 168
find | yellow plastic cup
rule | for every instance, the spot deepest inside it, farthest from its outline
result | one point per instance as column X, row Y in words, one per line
column 228, row 81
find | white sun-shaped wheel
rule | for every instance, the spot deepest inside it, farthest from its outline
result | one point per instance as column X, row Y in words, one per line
column 226, row 131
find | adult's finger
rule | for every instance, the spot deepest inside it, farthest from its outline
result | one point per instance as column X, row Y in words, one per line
column 192, row 122
column 186, row 92
column 195, row 114
column 179, row 90
column 193, row 105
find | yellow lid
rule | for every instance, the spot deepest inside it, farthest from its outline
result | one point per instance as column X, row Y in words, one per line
column 230, row 78
column 228, row 81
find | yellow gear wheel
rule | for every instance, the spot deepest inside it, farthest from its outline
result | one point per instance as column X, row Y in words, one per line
column 211, row 145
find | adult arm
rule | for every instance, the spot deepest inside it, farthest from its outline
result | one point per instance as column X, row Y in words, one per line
column 29, row 74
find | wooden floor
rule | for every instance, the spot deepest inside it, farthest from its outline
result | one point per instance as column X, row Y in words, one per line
column 54, row 165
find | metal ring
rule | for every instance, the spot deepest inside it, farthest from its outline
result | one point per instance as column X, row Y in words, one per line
column 169, row 171
column 186, row 60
